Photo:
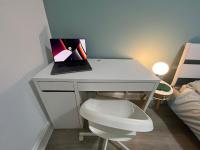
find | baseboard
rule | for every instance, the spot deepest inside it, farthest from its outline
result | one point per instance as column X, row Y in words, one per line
column 43, row 137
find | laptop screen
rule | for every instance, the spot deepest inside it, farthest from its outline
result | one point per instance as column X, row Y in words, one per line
column 68, row 49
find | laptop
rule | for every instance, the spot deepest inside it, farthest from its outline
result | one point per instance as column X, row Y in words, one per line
column 69, row 56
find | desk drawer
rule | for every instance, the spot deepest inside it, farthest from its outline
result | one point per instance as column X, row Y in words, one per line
column 55, row 86
column 97, row 86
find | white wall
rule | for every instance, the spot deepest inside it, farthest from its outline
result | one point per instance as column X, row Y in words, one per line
column 24, row 35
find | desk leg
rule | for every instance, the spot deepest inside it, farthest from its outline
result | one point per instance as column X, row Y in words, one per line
column 150, row 97
column 78, row 103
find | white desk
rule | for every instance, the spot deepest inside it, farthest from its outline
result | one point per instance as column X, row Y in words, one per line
column 61, row 96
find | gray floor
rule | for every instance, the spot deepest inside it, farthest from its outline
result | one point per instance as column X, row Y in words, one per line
column 169, row 134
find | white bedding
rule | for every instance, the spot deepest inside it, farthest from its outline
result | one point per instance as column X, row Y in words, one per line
column 187, row 106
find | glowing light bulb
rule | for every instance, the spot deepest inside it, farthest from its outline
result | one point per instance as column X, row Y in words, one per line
column 160, row 68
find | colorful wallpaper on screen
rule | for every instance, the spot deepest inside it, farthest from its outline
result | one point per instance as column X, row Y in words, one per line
column 68, row 49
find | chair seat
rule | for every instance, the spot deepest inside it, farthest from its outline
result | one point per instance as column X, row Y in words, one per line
column 111, row 133
column 116, row 114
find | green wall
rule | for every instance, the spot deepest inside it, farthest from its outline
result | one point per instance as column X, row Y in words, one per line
column 148, row 30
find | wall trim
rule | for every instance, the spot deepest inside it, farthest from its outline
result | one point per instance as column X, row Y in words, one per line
column 43, row 137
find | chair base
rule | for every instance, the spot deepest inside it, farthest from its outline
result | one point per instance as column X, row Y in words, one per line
column 123, row 146
column 120, row 143
column 82, row 134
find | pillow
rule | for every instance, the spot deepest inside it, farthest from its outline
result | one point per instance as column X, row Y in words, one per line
column 195, row 85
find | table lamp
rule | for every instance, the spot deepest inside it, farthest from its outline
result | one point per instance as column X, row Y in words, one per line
column 164, row 90
column 160, row 68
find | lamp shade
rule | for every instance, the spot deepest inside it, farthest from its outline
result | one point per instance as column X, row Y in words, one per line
column 160, row 68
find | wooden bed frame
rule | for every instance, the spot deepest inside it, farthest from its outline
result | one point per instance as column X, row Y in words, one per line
column 188, row 69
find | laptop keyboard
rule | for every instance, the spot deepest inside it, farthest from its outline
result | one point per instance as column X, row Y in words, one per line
column 71, row 64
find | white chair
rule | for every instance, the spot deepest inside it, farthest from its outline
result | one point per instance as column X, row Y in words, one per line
column 115, row 120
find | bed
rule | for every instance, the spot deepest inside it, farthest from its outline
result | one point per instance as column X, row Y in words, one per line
column 186, row 83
